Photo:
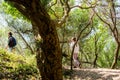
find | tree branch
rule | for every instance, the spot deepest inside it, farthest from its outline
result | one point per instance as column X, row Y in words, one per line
column 103, row 20
column 67, row 10
column 66, row 13
column 78, row 6
column 22, row 10
column 52, row 4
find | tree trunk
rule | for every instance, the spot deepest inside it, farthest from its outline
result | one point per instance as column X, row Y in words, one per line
column 115, row 57
column 50, row 64
column 96, row 52
column 27, row 44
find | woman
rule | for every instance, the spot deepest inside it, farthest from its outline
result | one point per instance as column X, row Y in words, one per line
column 75, row 52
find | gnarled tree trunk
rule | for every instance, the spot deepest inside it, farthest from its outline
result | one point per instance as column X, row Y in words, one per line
column 51, row 68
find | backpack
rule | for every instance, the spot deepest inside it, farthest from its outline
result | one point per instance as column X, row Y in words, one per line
column 12, row 42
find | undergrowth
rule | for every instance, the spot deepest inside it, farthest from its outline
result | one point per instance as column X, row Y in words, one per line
column 17, row 67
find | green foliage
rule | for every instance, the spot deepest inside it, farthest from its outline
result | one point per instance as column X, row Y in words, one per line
column 77, row 20
column 10, row 9
column 56, row 11
column 104, row 47
column 16, row 67
column 45, row 2
column 106, row 57
column 79, row 17
column 72, row 2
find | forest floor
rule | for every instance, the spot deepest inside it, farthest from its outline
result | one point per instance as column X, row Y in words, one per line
column 92, row 74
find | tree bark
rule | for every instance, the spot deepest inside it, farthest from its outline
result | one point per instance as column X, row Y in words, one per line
column 51, row 61
column 96, row 53
column 52, row 66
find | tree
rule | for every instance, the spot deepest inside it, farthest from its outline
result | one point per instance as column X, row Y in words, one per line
column 109, row 9
column 50, row 67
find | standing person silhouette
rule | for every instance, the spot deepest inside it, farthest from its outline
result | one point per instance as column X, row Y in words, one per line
column 11, row 42
column 75, row 52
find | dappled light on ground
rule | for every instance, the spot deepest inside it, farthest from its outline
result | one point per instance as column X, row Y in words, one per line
column 93, row 74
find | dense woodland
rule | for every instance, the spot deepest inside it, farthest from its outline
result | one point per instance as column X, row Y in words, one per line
column 43, row 29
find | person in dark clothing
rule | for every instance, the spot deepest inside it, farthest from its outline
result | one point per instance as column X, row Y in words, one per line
column 11, row 41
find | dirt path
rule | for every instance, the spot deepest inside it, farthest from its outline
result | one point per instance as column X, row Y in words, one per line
column 94, row 74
